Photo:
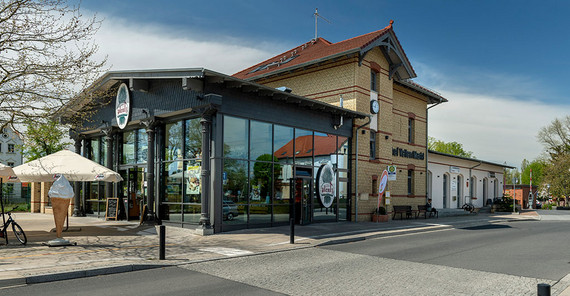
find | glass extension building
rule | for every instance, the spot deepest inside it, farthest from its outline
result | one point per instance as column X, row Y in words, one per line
column 200, row 149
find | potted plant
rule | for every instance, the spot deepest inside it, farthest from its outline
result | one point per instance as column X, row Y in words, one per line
column 379, row 215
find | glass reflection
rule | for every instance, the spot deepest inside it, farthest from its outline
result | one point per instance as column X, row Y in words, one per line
column 193, row 147
column 192, row 213
column 173, row 141
column 235, row 188
column 173, row 182
column 260, row 141
column 303, row 147
column 260, row 176
column 128, row 147
column 235, row 137
column 192, row 181
column 142, row 146
column 95, row 156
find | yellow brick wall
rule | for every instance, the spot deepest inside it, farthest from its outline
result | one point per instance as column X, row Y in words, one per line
column 326, row 82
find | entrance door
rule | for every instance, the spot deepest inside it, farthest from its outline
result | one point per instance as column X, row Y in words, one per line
column 445, row 186
column 303, row 200
column 134, row 191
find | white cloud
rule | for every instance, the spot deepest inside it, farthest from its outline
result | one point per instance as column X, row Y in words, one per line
column 494, row 128
column 132, row 46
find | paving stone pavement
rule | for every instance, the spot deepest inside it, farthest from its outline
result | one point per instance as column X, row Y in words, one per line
column 117, row 246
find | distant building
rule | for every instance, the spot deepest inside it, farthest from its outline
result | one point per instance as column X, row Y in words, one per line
column 522, row 192
column 454, row 180
column 11, row 155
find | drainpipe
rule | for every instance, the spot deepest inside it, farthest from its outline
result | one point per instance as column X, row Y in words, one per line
column 356, row 171
column 427, row 148
column 471, row 190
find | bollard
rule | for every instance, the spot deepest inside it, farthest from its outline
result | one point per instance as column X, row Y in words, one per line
column 292, row 231
column 543, row 290
column 162, row 245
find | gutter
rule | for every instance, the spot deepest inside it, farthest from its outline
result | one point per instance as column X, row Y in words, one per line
column 427, row 148
column 356, row 171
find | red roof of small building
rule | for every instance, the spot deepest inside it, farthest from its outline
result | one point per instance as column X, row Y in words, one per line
column 312, row 51
column 324, row 145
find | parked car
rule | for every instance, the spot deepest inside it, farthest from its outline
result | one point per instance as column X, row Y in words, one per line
column 229, row 210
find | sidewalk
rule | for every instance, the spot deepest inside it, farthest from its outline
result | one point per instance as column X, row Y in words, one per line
column 105, row 247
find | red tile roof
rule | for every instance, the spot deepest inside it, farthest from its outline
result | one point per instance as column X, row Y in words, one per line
column 324, row 145
column 312, row 51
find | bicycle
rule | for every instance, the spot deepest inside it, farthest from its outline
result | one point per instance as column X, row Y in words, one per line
column 18, row 231
column 468, row 207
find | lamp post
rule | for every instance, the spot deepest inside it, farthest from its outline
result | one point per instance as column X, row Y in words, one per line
column 514, row 193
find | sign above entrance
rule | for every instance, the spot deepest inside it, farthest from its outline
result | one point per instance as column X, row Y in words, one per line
column 122, row 106
column 408, row 154
column 327, row 184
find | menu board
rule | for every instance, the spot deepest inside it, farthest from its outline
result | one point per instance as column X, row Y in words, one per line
column 112, row 208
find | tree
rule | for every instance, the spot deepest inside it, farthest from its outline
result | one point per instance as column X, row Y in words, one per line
column 510, row 174
column 452, row 148
column 556, row 140
column 556, row 137
column 43, row 139
column 537, row 166
column 47, row 57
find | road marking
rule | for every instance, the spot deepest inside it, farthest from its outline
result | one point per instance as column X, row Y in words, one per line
column 368, row 231
column 230, row 252
column 415, row 233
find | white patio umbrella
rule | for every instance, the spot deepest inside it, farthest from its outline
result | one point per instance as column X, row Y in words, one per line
column 70, row 164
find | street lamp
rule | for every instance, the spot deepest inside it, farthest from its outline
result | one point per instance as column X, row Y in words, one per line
column 514, row 193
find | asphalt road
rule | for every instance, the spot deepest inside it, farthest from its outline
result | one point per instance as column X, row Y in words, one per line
column 490, row 259
column 533, row 249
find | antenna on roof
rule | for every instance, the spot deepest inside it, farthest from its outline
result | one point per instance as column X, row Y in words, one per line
column 317, row 15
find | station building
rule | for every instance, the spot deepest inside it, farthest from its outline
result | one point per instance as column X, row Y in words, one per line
column 372, row 75
column 454, row 181
column 303, row 135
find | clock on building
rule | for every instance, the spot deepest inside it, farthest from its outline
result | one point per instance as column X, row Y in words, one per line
column 374, row 107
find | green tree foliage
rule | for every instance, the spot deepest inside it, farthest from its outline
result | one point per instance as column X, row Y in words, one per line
column 557, row 175
column 43, row 139
column 556, row 140
column 452, row 148
column 537, row 166
column 510, row 174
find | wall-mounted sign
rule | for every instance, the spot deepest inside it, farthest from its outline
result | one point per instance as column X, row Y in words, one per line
column 122, row 106
column 408, row 154
column 454, row 169
column 326, row 184
column 491, row 174
column 391, row 173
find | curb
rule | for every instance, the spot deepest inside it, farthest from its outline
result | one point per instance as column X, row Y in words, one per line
column 4, row 283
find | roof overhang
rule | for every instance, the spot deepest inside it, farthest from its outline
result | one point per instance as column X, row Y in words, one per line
column 470, row 159
column 138, row 80
column 433, row 97
column 400, row 66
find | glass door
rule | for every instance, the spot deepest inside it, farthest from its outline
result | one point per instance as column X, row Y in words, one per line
column 303, row 200
column 134, row 191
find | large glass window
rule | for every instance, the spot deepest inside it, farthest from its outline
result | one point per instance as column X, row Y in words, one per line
column 173, row 135
column 182, row 169
column 142, row 146
column 235, row 137
column 259, row 159
column 129, row 147
column 303, row 147
column 260, row 139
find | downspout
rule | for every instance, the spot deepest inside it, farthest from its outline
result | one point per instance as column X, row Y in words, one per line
column 427, row 147
column 471, row 190
column 356, row 171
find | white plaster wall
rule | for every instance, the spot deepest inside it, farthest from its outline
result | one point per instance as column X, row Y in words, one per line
column 440, row 165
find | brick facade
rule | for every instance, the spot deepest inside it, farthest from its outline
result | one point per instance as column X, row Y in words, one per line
column 345, row 77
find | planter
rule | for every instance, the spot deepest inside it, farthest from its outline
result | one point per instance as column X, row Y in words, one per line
column 379, row 218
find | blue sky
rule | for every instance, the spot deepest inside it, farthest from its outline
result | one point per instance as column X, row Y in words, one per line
column 501, row 64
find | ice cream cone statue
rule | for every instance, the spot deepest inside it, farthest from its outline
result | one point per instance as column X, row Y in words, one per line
column 60, row 193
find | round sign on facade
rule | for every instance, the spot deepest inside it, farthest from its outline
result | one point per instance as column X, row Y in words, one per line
column 122, row 106
column 326, row 184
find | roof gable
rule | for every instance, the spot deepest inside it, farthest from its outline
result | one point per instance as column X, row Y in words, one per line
column 321, row 49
